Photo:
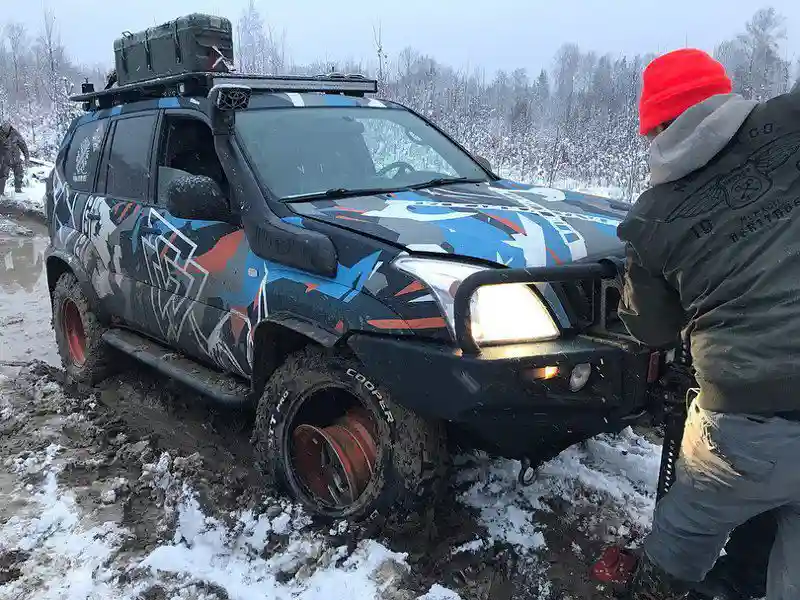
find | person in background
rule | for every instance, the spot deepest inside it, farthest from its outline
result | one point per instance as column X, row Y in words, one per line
column 713, row 254
column 11, row 145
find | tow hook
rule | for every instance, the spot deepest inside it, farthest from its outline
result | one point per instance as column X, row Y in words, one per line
column 526, row 472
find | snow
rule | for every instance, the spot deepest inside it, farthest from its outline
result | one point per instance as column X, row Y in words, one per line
column 78, row 549
column 472, row 546
column 620, row 471
column 31, row 199
column 66, row 557
column 70, row 559
column 73, row 553
column 11, row 228
column 440, row 593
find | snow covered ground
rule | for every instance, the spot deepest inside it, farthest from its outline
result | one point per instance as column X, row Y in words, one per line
column 130, row 492
column 90, row 508
column 63, row 515
column 31, row 199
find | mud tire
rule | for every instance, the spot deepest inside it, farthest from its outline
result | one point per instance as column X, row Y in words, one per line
column 97, row 355
column 413, row 457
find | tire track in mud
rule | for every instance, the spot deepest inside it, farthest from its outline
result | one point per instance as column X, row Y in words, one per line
column 119, row 429
column 176, row 420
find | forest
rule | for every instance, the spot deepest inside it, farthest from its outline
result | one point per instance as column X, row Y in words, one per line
column 572, row 125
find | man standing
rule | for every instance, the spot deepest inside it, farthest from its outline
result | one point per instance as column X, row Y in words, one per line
column 713, row 252
column 11, row 144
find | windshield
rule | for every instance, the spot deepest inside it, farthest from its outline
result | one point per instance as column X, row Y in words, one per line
column 300, row 151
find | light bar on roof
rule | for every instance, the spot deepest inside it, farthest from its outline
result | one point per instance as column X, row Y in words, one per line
column 303, row 84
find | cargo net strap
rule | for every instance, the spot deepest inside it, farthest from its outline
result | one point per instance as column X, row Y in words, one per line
column 218, row 61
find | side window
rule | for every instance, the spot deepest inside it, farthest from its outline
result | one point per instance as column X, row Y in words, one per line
column 187, row 147
column 128, row 174
column 83, row 155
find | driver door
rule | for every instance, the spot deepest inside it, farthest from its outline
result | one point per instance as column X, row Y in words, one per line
column 194, row 266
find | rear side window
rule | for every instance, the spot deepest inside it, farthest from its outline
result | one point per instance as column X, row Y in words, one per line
column 128, row 174
column 84, row 154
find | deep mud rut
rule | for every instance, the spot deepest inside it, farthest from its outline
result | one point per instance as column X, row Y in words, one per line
column 113, row 440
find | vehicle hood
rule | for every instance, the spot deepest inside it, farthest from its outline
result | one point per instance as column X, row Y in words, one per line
column 502, row 221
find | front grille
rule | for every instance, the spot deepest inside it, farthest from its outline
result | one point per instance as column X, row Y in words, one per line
column 590, row 303
column 611, row 295
column 579, row 299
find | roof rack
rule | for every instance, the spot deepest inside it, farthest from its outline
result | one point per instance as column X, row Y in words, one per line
column 199, row 84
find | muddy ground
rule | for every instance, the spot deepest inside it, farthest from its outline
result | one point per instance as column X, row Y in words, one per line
column 129, row 449
column 25, row 331
column 113, row 432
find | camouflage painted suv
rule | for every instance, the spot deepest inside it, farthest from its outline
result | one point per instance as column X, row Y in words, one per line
column 335, row 260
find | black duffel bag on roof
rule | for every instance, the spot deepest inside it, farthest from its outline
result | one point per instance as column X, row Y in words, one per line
column 191, row 44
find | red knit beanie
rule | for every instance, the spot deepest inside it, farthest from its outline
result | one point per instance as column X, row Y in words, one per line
column 674, row 82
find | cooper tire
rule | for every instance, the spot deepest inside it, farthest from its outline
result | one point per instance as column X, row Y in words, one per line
column 84, row 355
column 412, row 452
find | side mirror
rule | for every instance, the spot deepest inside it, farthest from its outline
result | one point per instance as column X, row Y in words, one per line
column 484, row 163
column 196, row 197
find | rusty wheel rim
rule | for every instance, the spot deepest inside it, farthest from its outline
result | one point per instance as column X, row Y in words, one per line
column 336, row 463
column 74, row 332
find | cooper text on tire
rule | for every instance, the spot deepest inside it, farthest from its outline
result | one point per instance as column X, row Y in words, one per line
column 333, row 439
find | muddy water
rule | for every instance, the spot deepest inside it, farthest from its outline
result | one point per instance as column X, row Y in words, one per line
column 25, row 331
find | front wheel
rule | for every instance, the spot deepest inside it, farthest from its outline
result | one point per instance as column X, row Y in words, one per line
column 336, row 442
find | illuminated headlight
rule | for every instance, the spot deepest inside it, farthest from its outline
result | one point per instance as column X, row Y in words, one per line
column 506, row 312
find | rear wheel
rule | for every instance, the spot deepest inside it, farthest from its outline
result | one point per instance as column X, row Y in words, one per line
column 78, row 333
column 336, row 443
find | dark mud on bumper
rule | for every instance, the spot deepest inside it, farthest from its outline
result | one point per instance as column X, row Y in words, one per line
column 498, row 401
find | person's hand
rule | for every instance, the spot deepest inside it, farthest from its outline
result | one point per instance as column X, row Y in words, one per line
column 618, row 264
column 618, row 273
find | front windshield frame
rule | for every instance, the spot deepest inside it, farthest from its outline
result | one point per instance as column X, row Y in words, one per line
column 475, row 172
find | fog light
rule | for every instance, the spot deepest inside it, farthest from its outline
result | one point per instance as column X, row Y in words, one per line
column 540, row 373
column 580, row 376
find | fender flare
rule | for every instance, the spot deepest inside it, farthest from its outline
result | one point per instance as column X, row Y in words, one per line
column 312, row 331
column 53, row 254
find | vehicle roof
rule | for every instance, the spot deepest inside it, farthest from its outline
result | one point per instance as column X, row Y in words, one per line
column 259, row 101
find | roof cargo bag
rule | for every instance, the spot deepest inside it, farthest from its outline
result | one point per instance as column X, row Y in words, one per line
column 195, row 43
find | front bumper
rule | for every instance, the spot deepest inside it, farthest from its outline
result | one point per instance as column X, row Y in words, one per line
column 500, row 397
column 498, row 394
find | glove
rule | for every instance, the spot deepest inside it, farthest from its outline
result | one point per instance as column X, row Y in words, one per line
column 618, row 264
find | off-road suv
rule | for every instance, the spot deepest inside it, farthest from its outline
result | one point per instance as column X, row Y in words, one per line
column 343, row 264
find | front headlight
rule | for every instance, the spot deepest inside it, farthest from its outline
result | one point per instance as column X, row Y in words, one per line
column 507, row 312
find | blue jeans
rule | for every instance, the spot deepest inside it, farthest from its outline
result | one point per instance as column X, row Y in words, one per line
column 732, row 468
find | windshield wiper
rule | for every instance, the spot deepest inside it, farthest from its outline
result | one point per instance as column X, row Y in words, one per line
column 444, row 181
column 335, row 193
column 341, row 193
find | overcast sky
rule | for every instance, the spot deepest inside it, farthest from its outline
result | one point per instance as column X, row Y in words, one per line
column 492, row 34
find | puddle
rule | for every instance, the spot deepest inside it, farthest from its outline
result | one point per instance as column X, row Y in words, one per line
column 25, row 313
